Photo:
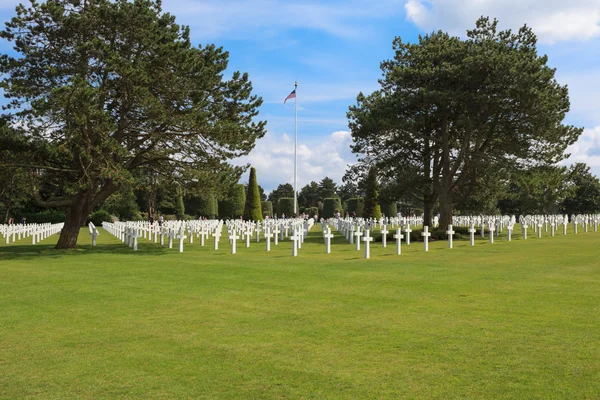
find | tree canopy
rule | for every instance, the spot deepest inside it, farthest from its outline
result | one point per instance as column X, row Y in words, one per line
column 101, row 90
column 449, row 108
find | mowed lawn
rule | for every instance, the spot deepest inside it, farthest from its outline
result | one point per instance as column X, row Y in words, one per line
column 505, row 320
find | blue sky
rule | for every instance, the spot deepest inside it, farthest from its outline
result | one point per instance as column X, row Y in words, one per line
column 334, row 48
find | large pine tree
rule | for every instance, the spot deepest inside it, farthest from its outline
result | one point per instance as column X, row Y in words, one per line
column 109, row 88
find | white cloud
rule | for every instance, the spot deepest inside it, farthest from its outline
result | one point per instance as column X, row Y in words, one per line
column 586, row 150
column 551, row 20
column 215, row 18
column 273, row 158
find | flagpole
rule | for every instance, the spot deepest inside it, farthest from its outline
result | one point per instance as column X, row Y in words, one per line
column 296, row 149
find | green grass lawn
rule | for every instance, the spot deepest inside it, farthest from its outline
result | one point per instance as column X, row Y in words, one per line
column 505, row 320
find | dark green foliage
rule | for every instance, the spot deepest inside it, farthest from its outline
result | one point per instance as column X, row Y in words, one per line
column 372, row 209
column 46, row 216
column 97, row 217
column 312, row 211
column 122, row 204
column 330, row 206
column 389, row 209
column 585, row 199
column 253, row 209
column 309, row 195
column 205, row 205
column 356, row 205
column 126, row 91
column 285, row 205
column 451, row 107
column 267, row 209
column 179, row 206
column 233, row 205
column 283, row 190
column 327, row 188
column 537, row 190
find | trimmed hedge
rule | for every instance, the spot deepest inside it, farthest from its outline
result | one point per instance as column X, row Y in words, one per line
column 209, row 207
column 100, row 216
column 253, row 209
column 356, row 205
column 312, row 211
column 285, row 205
column 330, row 206
column 389, row 209
column 42, row 217
column 233, row 205
column 267, row 209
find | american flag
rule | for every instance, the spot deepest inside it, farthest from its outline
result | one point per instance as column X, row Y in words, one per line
column 291, row 96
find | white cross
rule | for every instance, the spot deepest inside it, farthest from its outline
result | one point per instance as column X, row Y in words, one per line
column 233, row 237
column 296, row 239
column 217, row 236
column 181, row 236
column 384, row 233
column 268, row 235
column 135, row 235
column 450, row 232
column 328, row 236
column 358, row 234
column 171, row 235
column 248, row 235
column 472, row 231
column 367, row 239
column 407, row 230
column 510, row 229
column 426, row 235
column 398, row 236
column 524, row 227
column 275, row 234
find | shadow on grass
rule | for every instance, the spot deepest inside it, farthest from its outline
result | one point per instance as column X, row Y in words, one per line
column 29, row 252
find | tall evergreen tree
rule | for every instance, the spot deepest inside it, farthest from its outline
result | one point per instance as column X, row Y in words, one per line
column 327, row 188
column 448, row 108
column 253, row 209
column 110, row 87
column 371, row 208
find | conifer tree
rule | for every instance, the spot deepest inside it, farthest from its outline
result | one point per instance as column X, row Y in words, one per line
column 253, row 209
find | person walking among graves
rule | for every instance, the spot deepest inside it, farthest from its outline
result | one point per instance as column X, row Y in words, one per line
column 151, row 220
column 160, row 220
column 23, row 220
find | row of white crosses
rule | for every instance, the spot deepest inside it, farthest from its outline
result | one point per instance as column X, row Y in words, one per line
column 130, row 232
column 278, row 230
column 37, row 232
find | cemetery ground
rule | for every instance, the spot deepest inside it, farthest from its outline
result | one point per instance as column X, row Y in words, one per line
column 503, row 320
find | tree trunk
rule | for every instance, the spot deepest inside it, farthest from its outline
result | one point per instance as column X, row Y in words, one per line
column 446, row 207
column 445, row 194
column 427, row 210
column 76, row 215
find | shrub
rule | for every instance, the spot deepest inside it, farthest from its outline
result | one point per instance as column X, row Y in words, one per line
column 356, row 206
column 233, row 205
column 42, row 217
column 207, row 206
column 285, row 205
column 100, row 216
column 312, row 211
column 389, row 209
column 330, row 206
column 253, row 209
column 267, row 209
